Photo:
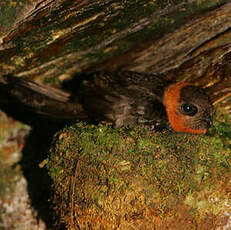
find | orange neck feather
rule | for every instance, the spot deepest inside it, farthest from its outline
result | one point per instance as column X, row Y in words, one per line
column 171, row 102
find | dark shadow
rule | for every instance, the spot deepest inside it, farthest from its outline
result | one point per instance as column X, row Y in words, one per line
column 34, row 152
column 39, row 183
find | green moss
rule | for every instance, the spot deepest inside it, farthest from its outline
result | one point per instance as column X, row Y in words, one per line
column 160, row 166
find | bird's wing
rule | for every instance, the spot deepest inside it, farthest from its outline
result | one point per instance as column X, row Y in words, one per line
column 51, row 92
column 125, row 98
column 43, row 100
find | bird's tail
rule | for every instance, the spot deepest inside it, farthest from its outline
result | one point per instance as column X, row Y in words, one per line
column 43, row 100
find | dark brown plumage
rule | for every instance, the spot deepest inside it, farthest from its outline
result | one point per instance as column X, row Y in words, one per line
column 123, row 98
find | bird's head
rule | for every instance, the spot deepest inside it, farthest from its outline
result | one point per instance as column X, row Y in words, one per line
column 188, row 107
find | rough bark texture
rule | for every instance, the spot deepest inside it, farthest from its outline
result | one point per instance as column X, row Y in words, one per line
column 50, row 41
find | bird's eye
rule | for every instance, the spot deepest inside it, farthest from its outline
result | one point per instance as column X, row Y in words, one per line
column 189, row 109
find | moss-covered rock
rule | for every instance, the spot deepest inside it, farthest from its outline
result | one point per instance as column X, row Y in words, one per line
column 105, row 178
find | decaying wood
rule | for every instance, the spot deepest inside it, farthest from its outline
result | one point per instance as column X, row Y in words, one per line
column 50, row 41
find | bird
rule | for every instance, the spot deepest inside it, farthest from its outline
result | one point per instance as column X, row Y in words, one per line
column 122, row 98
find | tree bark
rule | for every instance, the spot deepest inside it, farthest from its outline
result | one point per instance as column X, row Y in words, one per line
column 50, row 41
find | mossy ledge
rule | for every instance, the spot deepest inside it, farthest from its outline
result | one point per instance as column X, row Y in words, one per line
column 134, row 178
